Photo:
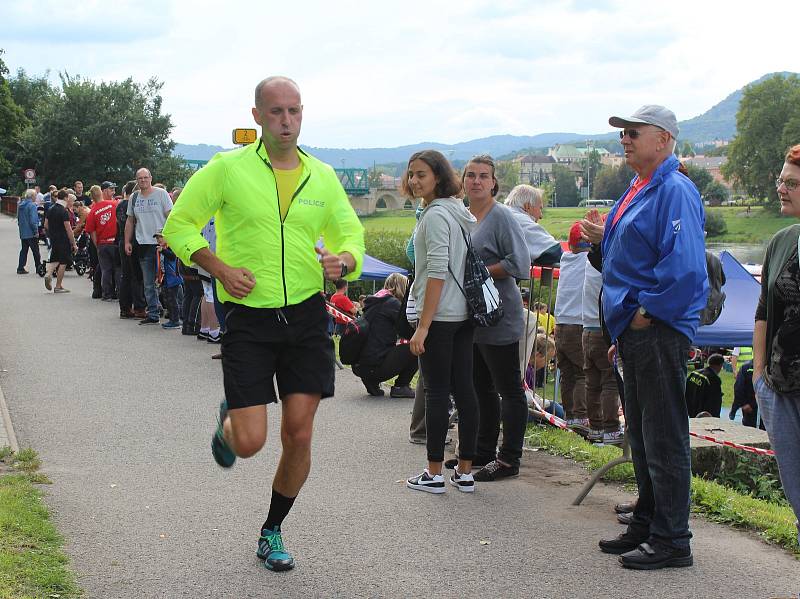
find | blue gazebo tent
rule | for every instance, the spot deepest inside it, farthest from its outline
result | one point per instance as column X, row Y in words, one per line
column 734, row 328
column 375, row 270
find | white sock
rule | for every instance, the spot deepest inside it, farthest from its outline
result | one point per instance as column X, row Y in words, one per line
column 205, row 330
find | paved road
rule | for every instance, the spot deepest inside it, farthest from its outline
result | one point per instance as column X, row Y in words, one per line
column 121, row 416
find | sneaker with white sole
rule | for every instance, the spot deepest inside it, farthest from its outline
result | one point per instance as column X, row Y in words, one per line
column 464, row 482
column 48, row 282
column 595, row 435
column 430, row 483
column 613, row 437
column 579, row 424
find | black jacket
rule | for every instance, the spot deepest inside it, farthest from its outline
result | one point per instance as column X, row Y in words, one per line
column 381, row 313
column 703, row 392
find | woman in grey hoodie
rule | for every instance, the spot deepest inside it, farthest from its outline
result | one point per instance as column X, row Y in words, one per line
column 443, row 337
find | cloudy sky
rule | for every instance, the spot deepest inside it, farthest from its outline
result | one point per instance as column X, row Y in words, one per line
column 382, row 74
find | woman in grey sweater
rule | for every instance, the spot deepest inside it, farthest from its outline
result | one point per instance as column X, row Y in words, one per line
column 499, row 240
column 443, row 337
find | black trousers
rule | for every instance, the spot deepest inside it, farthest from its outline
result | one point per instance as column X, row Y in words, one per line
column 447, row 367
column 131, row 291
column 33, row 244
column 495, row 370
column 399, row 362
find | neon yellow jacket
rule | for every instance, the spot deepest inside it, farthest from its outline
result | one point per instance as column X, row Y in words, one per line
column 239, row 189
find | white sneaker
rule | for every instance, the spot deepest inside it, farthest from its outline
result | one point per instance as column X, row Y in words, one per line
column 613, row 437
column 427, row 482
column 464, row 482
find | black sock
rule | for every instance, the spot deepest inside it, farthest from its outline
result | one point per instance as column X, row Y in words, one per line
column 278, row 509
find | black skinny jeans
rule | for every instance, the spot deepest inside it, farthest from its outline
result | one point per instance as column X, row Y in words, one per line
column 399, row 362
column 447, row 367
column 495, row 369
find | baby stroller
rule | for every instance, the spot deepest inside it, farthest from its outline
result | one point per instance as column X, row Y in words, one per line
column 81, row 259
column 41, row 233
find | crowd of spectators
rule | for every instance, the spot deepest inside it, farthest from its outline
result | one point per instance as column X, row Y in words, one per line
column 128, row 261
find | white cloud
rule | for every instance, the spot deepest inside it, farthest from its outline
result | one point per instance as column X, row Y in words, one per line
column 391, row 73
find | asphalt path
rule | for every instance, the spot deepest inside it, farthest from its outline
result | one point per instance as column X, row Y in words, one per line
column 121, row 416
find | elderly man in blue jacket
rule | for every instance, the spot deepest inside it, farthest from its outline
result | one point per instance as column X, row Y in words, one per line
column 654, row 287
column 28, row 222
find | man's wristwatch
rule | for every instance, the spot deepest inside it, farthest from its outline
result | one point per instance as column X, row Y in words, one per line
column 345, row 270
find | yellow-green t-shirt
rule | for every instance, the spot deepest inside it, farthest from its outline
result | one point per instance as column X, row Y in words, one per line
column 287, row 182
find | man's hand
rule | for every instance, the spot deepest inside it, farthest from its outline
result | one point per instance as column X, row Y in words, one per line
column 592, row 227
column 612, row 351
column 128, row 248
column 238, row 282
column 331, row 264
column 747, row 409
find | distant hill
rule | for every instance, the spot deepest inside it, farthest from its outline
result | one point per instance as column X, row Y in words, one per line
column 719, row 122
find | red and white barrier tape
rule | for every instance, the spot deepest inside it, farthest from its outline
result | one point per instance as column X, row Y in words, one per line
column 558, row 422
column 757, row 450
column 336, row 313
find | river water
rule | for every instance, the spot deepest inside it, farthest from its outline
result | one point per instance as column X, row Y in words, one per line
column 752, row 253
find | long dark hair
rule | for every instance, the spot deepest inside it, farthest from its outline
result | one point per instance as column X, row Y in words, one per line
column 447, row 183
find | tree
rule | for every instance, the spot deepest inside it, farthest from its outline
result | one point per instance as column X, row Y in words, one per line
column 687, row 151
column 699, row 176
column 91, row 131
column 767, row 123
column 12, row 124
column 715, row 192
column 507, row 174
column 566, row 192
column 612, row 182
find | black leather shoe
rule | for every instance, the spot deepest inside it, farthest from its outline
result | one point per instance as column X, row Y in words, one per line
column 654, row 556
column 622, row 544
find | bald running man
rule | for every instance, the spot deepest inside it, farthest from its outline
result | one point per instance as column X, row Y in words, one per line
column 272, row 203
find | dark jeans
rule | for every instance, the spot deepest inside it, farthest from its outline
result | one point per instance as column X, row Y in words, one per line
column 131, row 292
column 33, row 244
column 495, row 369
column 654, row 367
column 172, row 299
column 94, row 264
column 147, row 260
column 108, row 256
column 399, row 362
column 447, row 366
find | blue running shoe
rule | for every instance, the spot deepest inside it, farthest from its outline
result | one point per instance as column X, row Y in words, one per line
column 220, row 449
column 272, row 551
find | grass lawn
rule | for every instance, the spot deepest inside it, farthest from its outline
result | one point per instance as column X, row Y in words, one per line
column 32, row 563
column 757, row 227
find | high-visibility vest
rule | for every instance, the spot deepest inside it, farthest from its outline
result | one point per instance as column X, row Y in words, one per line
column 745, row 354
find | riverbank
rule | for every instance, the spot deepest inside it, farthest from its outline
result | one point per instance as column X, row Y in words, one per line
column 755, row 227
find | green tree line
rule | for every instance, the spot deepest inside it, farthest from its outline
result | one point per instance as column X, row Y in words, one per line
column 81, row 129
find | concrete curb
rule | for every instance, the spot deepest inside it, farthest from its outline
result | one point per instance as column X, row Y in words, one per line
column 5, row 422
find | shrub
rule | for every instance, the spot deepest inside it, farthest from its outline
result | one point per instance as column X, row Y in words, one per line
column 715, row 224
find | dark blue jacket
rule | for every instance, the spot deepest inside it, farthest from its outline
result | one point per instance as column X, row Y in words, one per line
column 27, row 219
column 654, row 256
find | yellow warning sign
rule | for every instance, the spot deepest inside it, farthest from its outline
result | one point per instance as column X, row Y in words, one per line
column 242, row 137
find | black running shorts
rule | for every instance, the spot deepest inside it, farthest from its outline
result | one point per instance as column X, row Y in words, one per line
column 291, row 344
column 61, row 252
